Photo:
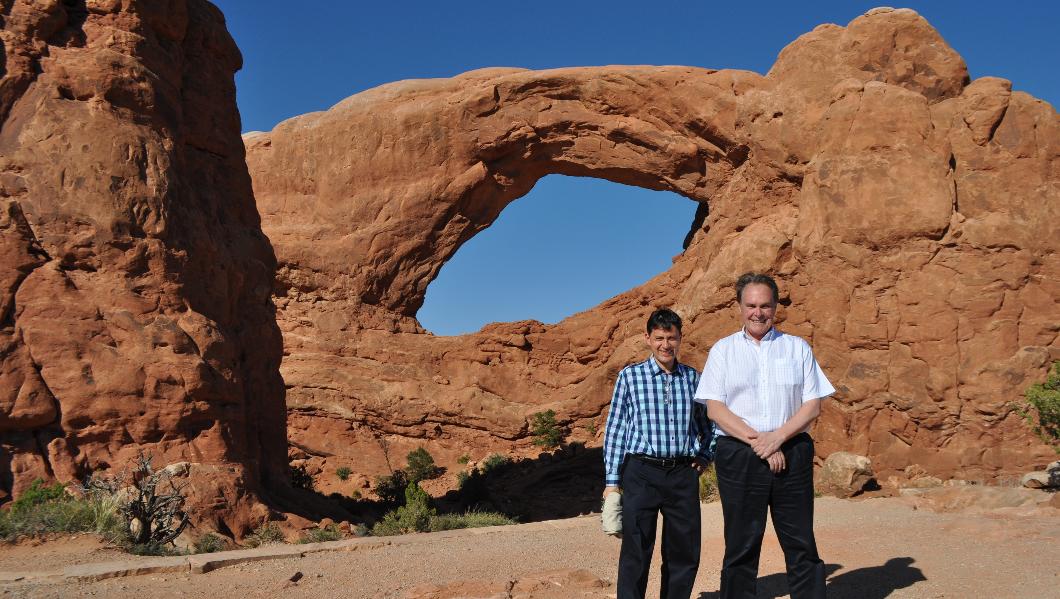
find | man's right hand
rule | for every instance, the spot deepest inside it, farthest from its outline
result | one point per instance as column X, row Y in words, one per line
column 776, row 462
column 609, row 490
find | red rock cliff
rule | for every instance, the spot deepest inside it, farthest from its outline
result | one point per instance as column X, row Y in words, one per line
column 909, row 213
column 135, row 308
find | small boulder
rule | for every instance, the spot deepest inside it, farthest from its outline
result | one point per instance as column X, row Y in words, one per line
column 1043, row 479
column 844, row 474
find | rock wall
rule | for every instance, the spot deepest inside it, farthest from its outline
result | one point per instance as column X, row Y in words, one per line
column 135, row 309
column 908, row 212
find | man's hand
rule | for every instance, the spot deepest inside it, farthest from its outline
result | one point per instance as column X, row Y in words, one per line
column 609, row 490
column 700, row 465
column 766, row 444
column 776, row 462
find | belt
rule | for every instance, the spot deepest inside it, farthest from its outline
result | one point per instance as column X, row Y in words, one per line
column 663, row 462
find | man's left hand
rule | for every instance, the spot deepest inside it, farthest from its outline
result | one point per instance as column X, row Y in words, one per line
column 767, row 444
column 700, row 465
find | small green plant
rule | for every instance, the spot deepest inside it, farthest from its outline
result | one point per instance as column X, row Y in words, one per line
column 343, row 472
column 546, row 432
column 463, row 460
column 708, row 485
column 472, row 519
column 38, row 494
column 421, row 465
column 300, row 478
column 209, row 543
column 592, row 428
column 356, row 494
column 414, row 516
column 391, row 489
column 462, row 478
column 1042, row 408
column 265, row 534
column 321, row 534
column 493, row 461
column 44, row 508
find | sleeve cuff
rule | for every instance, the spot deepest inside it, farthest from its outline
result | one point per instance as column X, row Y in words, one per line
column 610, row 481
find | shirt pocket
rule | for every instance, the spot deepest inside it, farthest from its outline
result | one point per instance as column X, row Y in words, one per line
column 787, row 372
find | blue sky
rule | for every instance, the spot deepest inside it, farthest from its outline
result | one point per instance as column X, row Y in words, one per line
column 572, row 243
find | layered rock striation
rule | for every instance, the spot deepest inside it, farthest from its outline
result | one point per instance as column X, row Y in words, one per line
column 908, row 212
column 135, row 281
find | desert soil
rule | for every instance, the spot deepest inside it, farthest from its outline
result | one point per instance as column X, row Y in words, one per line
column 873, row 549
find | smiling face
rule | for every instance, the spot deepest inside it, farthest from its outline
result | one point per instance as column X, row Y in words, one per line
column 757, row 309
column 664, row 344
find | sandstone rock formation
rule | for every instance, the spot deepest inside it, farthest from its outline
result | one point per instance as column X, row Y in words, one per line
column 908, row 212
column 135, row 282
column 844, row 474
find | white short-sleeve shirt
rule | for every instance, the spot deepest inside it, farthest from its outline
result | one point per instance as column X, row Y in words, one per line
column 762, row 383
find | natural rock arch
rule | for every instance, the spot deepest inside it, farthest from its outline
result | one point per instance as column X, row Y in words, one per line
column 904, row 209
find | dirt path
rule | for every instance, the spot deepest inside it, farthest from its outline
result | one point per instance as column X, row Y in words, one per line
column 874, row 549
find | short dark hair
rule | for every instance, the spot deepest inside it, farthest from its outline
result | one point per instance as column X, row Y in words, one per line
column 754, row 278
column 665, row 319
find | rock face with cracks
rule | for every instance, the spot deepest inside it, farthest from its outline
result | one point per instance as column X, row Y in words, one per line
column 135, row 308
column 908, row 212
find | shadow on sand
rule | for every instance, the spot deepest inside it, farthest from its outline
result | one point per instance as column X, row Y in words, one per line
column 875, row 582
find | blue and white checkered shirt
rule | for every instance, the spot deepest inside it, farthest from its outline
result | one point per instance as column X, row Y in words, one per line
column 654, row 413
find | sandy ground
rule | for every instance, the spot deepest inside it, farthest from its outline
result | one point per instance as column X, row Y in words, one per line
column 873, row 549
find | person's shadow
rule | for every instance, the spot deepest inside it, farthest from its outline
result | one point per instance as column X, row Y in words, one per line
column 875, row 582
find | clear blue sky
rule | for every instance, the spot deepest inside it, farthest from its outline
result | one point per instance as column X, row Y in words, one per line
column 572, row 243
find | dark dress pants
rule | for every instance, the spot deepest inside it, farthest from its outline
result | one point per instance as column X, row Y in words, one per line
column 748, row 489
column 648, row 489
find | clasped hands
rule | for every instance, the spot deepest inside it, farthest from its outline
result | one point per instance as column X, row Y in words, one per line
column 767, row 446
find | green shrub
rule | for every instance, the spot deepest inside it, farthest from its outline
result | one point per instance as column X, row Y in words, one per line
column 494, row 460
column 391, row 489
column 461, row 479
column 265, row 534
column 210, row 543
column 356, row 494
column 44, row 509
column 300, row 478
column 414, row 516
column 592, row 427
column 421, row 465
column 322, row 534
column 38, row 494
column 546, row 432
column 708, row 485
column 1042, row 408
column 472, row 519
column 343, row 472
column 464, row 459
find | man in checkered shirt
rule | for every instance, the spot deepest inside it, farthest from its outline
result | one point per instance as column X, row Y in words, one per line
column 658, row 440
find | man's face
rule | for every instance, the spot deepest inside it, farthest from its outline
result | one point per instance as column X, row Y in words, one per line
column 757, row 309
column 664, row 344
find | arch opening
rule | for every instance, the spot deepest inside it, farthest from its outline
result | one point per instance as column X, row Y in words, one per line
column 566, row 246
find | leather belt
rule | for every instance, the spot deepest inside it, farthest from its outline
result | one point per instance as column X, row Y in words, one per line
column 663, row 462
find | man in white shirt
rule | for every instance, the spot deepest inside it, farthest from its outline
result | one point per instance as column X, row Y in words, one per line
column 763, row 390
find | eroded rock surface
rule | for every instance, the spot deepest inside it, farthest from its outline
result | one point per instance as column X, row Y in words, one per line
column 135, row 309
column 908, row 213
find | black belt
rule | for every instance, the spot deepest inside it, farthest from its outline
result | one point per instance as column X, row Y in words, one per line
column 664, row 462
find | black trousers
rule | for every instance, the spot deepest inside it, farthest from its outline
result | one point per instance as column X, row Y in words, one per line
column 648, row 489
column 748, row 489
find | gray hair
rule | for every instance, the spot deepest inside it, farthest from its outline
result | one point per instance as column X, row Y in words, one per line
column 754, row 278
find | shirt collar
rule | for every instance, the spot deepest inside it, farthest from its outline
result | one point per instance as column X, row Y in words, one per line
column 770, row 335
column 656, row 369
